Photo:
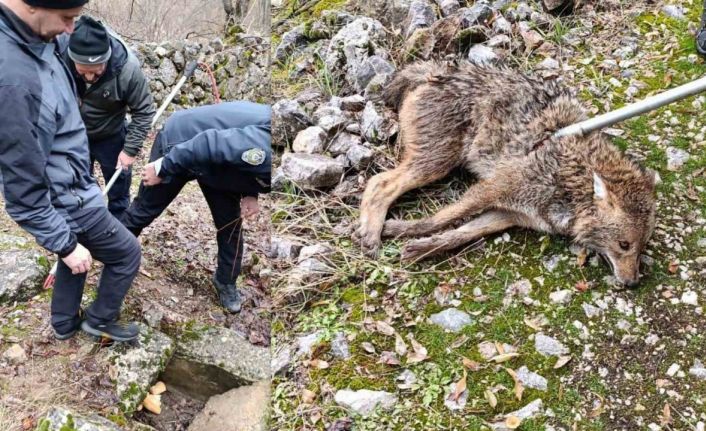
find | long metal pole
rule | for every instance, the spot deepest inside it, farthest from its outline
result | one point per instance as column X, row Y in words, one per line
column 635, row 109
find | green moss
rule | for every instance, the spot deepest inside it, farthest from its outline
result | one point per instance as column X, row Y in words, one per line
column 324, row 5
column 43, row 425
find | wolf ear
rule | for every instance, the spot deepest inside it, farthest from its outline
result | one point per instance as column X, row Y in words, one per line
column 600, row 192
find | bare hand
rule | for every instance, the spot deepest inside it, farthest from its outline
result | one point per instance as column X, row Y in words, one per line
column 149, row 176
column 125, row 161
column 249, row 207
column 79, row 260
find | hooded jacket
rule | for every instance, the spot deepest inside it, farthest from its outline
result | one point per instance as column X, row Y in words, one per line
column 122, row 87
column 43, row 145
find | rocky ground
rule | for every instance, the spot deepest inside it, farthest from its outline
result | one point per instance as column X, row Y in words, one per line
column 206, row 358
column 521, row 331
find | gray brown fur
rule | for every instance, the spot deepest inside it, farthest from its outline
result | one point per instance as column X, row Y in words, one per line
column 495, row 122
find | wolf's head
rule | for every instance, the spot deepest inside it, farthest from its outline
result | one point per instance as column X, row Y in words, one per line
column 620, row 220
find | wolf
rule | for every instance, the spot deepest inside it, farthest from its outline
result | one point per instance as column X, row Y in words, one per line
column 498, row 124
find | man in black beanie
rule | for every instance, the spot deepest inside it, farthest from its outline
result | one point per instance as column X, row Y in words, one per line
column 46, row 181
column 110, row 83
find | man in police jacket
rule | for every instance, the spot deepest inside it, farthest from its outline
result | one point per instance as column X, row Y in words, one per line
column 227, row 149
column 46, row 180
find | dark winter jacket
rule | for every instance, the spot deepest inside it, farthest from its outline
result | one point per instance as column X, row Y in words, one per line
column 105, row 104
column 226, row 146
column 43, row 143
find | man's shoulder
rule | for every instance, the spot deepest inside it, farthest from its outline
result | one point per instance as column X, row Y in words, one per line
column 18, row 70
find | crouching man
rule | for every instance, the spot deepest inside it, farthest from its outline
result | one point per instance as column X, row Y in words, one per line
column 46, row 181
column 227, row 149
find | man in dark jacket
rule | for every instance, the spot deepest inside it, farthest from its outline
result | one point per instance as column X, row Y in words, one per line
column 110, row 82
column 46, row 182
column 227, row 149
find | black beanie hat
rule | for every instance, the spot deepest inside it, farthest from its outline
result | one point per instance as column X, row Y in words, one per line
column 56, row 4
column 89, row 43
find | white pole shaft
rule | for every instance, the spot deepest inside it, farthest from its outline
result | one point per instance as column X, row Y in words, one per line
column 635, row 109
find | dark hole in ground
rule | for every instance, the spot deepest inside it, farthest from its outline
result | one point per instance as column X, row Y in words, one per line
column 178, row 411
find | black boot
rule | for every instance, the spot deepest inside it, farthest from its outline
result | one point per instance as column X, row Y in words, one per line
column 73, row 329
column 117, row 331
column 229, row 296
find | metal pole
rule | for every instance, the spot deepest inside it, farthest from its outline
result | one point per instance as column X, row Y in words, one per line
column 635, row 109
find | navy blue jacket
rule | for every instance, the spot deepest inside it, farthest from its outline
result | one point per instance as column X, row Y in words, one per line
column 212, row 143
column 44, row 156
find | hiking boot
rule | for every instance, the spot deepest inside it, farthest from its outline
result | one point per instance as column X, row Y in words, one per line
column 78, row 319
column 229, row 296
column 701, row 34
column 117, row 331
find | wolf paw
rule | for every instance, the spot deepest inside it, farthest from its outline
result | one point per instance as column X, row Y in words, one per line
column 369, row 242
column 417, row 249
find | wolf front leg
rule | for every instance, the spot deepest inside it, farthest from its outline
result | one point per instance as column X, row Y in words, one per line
column 485, row 224
column 478, row 198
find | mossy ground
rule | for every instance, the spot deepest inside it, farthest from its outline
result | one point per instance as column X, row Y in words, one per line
column 615, row 380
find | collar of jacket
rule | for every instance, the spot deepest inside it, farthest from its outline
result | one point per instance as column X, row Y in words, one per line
column 24, row 36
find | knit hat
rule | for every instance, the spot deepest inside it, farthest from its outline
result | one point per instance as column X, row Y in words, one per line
column 56, row 4
column 89, row 43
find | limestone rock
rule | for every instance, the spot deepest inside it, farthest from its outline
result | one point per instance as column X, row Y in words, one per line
column 311, row 171
column 22, row 270
column 241, row 409
column 365, row 401
column 451, row 319
column 311, row 140
column 60, row 419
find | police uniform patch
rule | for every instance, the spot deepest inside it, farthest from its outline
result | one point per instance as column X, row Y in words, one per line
column 254, row 156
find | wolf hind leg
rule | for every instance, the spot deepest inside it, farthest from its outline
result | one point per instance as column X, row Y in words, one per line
column 478, row 198
column 487, row 223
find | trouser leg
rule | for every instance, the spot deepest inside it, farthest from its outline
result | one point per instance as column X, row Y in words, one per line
column 106, row 152
column 225, row 210
column 66, row 298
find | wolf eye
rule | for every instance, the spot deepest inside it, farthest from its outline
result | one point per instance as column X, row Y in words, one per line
column 624, row 245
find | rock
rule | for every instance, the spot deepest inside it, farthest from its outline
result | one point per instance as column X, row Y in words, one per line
column 499, row 41
column 531, row 38
column 701, row 243
column 281, row 360
column 674, row 11
column 480, row 54
column 22, row 270
column 690, row 297
column 551, row 263
column 548, row 64
column 288, row 119
column 161, row 52
column 479, row 13
column 372, row 124
column 316, row 250
column 524, row 11
column 339, row 346
column 521, row 288
column 331, row 119
column 179, row 60
column 306, row 343
column 291, row 41
column 250, row 413
column 407, row 379
column 342, row 143
column 421, row 14
column 502, row 26
column 15, row 355
column 561, row 296
column 353, row 103
column 558, row 6
column 365, row 401
column 590, row 310
column 373, row 67
column 359, row 156
column 167, row 73
column 676, row 158
column 698, row 370
column 451, row 319
column 61, row 419
column 309, row 270
column 217, row 44
column 549, row 346
column 458, row 404
column 448, row 7
column 531, row 380
column 311, row 140
column 137, row 368
column 311, row 171
column 352, row 45
column 531, row 410
column 284, row 248
column 211, row 360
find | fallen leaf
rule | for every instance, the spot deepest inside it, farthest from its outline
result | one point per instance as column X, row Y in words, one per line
column 513, row 422
column 308, row 396
column 389, row 358
column 673, row 267
column 315, row 417
column 563, row 360
column 153, row 403
column 471, row 365
column 158, row 388
column 582, row 286
column 666, row 418
column 384, row 328
column 498, row 359
column 28, row 423
column 419, row 354
column 368, row 347
column 535, row 323
column 319, row 363
column 518, row 389
column 490, row 397
column 499, row 347
column 400, row 345
column 460, row 388
column 460, row 341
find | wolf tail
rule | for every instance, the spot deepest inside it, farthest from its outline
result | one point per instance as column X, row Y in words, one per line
column 407, row 80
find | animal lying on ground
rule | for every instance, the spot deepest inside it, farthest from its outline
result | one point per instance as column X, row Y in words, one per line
column 497, row 123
